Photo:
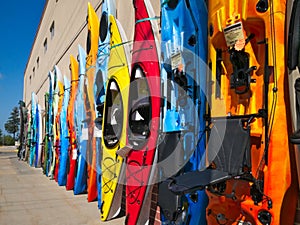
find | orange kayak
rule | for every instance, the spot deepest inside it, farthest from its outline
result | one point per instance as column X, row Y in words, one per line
column 70, row 118
column 92, row 49
column 255, row 180
column 270, row 150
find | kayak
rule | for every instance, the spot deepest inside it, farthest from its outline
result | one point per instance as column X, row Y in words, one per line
column 64, row 136
column 46, row 132
column 39, row 137
column 293, row 11
column 143, row 115
column 250, row 178
column 52, row 128
column 80, row 185
column 114, row 122
column 184, row 50
column 108, row 8
column 91, row 49
column 58, row 134
column 72, row 150
column 33, row 135
column 52, row 114
column 23, row 122
column 28, row 137
column 49, row 125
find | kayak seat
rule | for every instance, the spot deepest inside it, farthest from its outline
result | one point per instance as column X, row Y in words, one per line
column 139, row 119
column 228, row 150
column 293, row 60
column 100, row 109
column 110, row 136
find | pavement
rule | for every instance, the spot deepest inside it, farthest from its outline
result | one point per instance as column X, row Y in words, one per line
column 28, row 197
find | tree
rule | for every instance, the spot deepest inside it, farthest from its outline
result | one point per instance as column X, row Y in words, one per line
column 8, row 140
column 13, row 122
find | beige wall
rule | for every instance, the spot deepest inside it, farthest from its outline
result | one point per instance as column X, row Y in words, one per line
column 70, row 29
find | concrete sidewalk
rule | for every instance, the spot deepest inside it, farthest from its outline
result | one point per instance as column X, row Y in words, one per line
column 28, row 197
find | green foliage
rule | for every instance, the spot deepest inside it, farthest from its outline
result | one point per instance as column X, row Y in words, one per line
column 8, row 140
column 13, row 122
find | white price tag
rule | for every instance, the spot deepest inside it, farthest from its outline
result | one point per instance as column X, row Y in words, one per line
column 233, row 33
column 97, row 132
column 176, row 60
column 74, row 154
column 84, row 134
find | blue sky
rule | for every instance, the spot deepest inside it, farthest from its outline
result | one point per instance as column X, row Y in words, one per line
column 18, row 23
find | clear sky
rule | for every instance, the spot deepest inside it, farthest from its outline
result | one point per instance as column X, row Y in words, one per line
column 18, row 24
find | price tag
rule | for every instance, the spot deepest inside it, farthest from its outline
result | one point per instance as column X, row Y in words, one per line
column 97, row 132
column 74, row 154
column 84, row 134
column 233, row 33
column 176, row 60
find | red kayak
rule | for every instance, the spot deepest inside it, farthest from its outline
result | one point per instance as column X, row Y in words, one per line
column 143, row 112
column 70, row 118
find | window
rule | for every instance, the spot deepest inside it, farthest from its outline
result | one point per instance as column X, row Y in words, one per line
column 33, row 71
column 45, row 45
column 52, row 30
column 37, row 62
column 30, row 79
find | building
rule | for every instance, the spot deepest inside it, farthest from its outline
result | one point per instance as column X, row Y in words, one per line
column 62, row 27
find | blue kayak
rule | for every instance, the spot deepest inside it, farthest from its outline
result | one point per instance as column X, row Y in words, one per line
column 81, row 129
column 64, row 132
column 39, row 139
column 184, row 52
column 33, row 125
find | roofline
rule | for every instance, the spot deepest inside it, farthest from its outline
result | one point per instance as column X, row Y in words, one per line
column 38, row 29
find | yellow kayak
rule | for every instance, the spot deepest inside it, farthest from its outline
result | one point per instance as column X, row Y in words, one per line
column 57, row 134
column 114, row 123
column 92, row 49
